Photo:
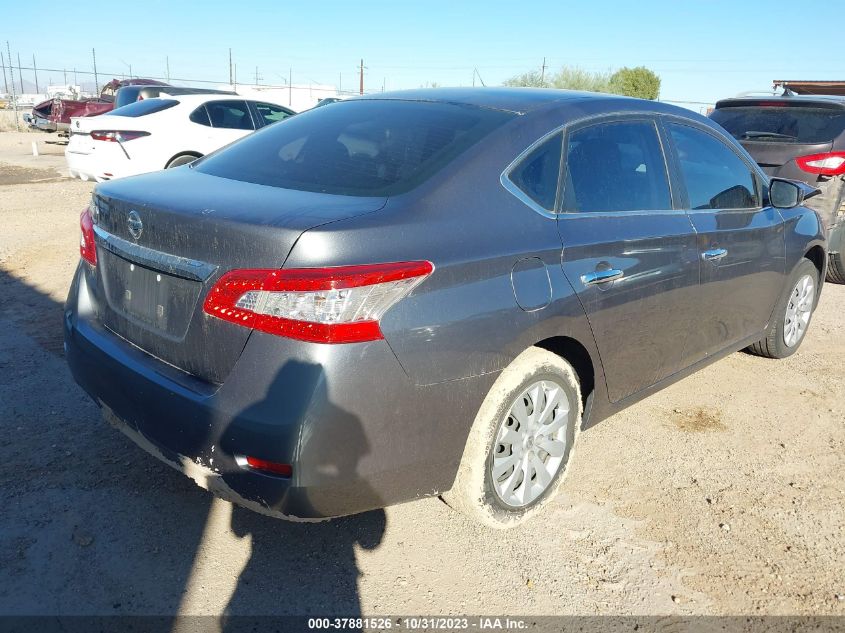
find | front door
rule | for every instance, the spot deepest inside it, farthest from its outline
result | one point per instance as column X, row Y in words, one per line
column 740, row 241
column 630, row 254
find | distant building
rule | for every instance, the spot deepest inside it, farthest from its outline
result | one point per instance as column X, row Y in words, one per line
column 297, row 97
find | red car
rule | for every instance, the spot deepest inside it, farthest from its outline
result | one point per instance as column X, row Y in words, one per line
column 55, row 114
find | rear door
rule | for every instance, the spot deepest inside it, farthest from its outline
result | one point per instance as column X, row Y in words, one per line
column 630, row 254
column 740, row 241
column 229, row 120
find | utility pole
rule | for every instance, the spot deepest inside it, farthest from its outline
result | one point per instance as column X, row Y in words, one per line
column 96, row 79
column 339, row 83
column 231, row 81
column 64, row 70
column 257, row 76
column 361, row 78
column 20, row 74
column 35, row 71
column 543, row 73
column 14, row 96
column 3, row 64
column 167, row 63
column 290, row 86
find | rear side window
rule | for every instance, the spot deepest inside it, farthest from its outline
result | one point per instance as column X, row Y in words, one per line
column 715, row 177
column 357, row 148
column 270, row 113
column 233, row 115
column 781, row 125
column 200, row 115
column 616, row 166
column 537, row 176
column 145, row 107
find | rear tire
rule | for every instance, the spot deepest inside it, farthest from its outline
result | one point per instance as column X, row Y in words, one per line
column 793, row 314
column 506, row 474
column 183, row 159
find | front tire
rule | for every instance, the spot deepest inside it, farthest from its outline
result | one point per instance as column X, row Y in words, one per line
column 521, row 441
column 793, row 314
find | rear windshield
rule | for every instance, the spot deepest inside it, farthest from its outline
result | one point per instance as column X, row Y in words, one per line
column 126, row 95
column 141, row 108
column 356, row 148
column 781, row 125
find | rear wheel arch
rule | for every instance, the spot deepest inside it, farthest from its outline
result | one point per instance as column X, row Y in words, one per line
column 573, row 351
column 181, row 155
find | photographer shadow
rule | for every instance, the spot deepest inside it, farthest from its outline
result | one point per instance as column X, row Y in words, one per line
column 306, row 568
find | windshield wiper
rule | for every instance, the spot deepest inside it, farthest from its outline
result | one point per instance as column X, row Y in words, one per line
column 754, row 134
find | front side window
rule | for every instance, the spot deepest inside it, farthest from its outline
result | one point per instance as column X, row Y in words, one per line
column 232, row 115
column 537, row 176
column 367, row 147
column 616, row 166
column 715, row 177
column 271, row 113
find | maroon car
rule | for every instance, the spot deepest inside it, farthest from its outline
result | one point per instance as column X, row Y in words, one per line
column 55, row 114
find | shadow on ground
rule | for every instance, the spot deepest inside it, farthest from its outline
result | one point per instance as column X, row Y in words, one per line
column 93, row 525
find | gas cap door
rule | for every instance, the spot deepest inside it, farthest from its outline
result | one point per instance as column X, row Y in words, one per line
column 532, row 287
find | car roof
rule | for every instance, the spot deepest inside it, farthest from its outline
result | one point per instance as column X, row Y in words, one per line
column 516, row 100
column 201, row 97
column 829, row 101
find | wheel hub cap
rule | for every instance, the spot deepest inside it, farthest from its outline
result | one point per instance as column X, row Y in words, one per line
column 530, row 444
column 798, row 311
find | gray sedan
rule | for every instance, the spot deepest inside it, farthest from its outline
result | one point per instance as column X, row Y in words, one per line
column 429, row 293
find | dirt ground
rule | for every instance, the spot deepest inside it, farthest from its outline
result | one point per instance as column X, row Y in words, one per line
column 720, row 495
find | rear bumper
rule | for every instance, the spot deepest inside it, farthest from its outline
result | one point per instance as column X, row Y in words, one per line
column 357, row 431
column 107, row 163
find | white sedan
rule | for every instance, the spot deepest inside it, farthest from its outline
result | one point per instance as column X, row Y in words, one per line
column 160, row 133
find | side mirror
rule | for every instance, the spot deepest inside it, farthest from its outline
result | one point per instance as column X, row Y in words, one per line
column 785, row 194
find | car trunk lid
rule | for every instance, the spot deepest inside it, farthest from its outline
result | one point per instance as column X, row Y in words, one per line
column 163, row 240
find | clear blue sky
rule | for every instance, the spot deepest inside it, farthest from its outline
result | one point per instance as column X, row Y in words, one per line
column 702, row 50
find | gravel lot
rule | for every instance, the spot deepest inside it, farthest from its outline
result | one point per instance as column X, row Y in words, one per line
column 720, row 495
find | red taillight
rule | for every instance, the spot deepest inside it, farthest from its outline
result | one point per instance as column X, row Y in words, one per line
column 117, row 136
column 285, row 470
column 87, row 247
column 341, row 304
column 827, row 164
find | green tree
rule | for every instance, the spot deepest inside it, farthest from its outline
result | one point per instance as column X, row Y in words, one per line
column 531, row 79
column 574, row 78
column 637, row 82
column 567, row 78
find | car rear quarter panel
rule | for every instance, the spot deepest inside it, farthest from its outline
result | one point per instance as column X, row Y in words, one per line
column 464, row 320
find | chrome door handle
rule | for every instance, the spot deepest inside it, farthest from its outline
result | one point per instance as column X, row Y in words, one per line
column 714, row 254
column 602, row 276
